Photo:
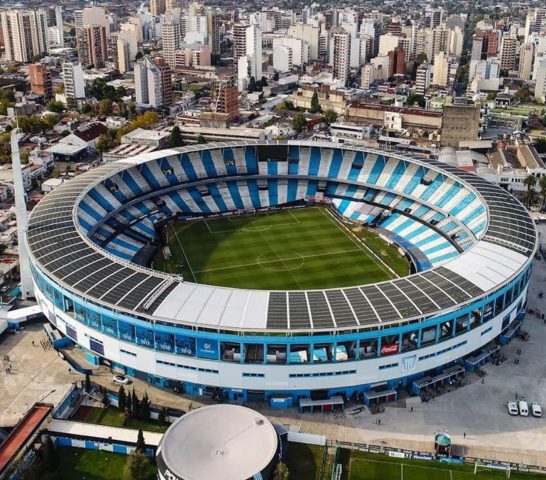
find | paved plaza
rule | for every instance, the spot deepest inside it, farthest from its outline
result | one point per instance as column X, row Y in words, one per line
column 36, row 374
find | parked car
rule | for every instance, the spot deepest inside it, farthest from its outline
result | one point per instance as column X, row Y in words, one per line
column 523, row 408
column 536, row 409
column 121, row 380
column 513, row 408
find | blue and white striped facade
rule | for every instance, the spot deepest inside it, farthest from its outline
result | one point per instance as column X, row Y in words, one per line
column 178, row 333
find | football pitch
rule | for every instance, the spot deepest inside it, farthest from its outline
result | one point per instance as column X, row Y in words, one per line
column 290, row 249
column 363, row 466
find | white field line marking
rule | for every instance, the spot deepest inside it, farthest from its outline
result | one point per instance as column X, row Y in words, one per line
column 185, row 256
column 299, row 257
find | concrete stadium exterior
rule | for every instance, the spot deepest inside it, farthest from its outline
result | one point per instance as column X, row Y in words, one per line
column 476, row 244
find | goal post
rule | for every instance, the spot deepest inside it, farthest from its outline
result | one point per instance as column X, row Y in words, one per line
column 491, row 466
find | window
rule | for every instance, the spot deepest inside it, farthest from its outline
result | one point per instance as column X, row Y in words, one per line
column 410, row 341
column 428, row 336
column 461, row 324
column 446, row 330
column 488, row 312
column 254, row 353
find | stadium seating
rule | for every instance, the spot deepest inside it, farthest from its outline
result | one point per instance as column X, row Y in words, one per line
column 452, row 213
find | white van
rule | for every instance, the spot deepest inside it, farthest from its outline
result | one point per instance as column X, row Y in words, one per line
column 523, row 408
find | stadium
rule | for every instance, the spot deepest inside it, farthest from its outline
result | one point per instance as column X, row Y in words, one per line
column 317, row 314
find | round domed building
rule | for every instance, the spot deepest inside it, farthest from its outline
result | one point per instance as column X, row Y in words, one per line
column 219, row 442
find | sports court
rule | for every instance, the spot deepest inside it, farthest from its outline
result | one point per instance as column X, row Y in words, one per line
column 362, row 466
column 291, row 249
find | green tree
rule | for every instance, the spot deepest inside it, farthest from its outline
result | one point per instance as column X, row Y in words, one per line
column 56, row 107
column 122, row 399
column 276, row 76
column 140, row 443
column 201, row 139
column 540, row 145
column 523, row 94
column 530, row 196
column 252, row 85
column 105, row 143
column 175, row 138
column 135, row 404
column 105, row 107
column 542, row 188
column 137, row 467
column 491, row 96
column 145, row 404
column 315, row 105
column 299, row 122
column 330, row 116
column 162, row 417
column 138, row 56
column 50, row 456
column 263, row 82
column 281, row 472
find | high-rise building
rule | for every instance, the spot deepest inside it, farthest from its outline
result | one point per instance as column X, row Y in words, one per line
column 535, row 20
column 254, row 51
column 158, row 7
column 153, row 83
column 508, row 52
column 40, row 80
column 213, row 27
column 227, row 101
column 397, row 62
column 440, row 73
column 239, row 40
column 340, row 51
column 490, row 39
column 434, row 17
column 96, row 16
column 172, row 4
column 422, row 78
column 307, row 33
column 540, row 86
column 74, row 83
column 526, row 55
column 25, row 34
column 123, row 55
column 367, row 76
column 171, row 41
column 92, row 45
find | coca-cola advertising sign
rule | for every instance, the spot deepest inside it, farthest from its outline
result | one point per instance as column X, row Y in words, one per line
column 389, row 349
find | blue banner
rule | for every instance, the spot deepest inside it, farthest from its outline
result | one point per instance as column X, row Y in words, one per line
column 185, row 345
column 207, row 348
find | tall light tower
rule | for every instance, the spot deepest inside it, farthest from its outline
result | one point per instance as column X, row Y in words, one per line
column 27, row 287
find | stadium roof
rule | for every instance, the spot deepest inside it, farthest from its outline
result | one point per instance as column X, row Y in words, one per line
column 219, row 441
column 71, row 259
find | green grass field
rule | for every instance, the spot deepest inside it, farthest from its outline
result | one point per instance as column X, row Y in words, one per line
column 305, row 462
column 81, row 464
column 291, row 249
column 368, row 466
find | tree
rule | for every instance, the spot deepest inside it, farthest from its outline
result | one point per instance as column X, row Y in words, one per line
column 56, row 107
column 263, row 83
column 281, row 472
column 299, row 122
column 105, row 107
column 201, row 139
column 542, row 188
column 540, row 145
column 135, row 407
column 140, row 443
column 276, row 76
column 491, row 96
column 122, row 399
column 175, row 138
column 144, row 410
column 86, row 108
column 252, row 85
column 51, row 456
column 105, row 143
column 137, row 467
column 330, row 116
column 138, row 56
column 523, row 94
column 315, row 105
column 530, row 196
column 162, row 417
